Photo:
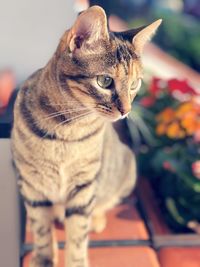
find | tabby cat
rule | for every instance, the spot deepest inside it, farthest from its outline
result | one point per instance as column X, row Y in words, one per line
column 70, row 161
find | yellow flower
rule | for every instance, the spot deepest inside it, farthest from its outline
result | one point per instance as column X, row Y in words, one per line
column 180, row 122
column 182, row 109
column 166, row 115
column 189, row 122
column 161, row 129
column 181, row 134
column 174, row 131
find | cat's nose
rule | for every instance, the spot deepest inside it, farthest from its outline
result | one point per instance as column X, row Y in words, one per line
column 124, row 112
column 124, row 108
column 124, row 116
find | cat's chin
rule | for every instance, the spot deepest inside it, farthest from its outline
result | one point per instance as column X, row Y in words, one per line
column 120, row 118
column 112, row 117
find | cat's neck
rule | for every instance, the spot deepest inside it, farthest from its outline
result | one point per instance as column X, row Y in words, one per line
column 56, row 90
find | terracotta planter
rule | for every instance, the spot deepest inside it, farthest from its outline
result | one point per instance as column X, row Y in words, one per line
column 161, row 234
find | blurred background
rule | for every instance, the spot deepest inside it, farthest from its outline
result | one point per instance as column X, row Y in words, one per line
column 165, row 122
column 180, row 32
column 30, row 30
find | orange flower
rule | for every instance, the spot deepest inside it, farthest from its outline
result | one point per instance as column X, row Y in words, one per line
column 174, row 130
column 182, row 109
column 180, row 122
column 198, row 123
column 161, row 129
column 189, row 122
column 166, row 115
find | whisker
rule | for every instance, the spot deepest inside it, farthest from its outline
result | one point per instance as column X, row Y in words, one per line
column 63, row 112
column 76, row 117
column 52, row 130
column 71, row 110
column 70, row 120
column 67, row 103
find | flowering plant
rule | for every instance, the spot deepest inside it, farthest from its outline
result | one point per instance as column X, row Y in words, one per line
column 173, row 158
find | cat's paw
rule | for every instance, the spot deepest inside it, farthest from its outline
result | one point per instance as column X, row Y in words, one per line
column 98, row 223
column 41, row 261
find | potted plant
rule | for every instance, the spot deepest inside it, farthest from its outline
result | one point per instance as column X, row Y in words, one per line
column 168, row 145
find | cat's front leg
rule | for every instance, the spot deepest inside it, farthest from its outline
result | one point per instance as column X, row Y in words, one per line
column 40, row 213
column 77, row 225
column 42, row 229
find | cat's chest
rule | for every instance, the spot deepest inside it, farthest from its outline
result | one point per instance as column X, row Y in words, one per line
column 81, row 142
column 70, row 160
column 68, row 153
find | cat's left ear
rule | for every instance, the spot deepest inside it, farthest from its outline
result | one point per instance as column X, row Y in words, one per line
column 144, row 35
column 90, row 26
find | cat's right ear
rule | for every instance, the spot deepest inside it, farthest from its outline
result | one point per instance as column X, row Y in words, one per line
column 144, row 35
column 89, row 27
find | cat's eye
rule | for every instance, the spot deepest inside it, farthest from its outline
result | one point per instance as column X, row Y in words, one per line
column 104, row 81
column 136, row 84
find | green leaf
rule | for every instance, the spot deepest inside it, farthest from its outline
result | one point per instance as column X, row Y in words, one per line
column 172, row 209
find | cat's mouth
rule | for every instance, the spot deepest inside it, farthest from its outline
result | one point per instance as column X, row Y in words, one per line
column 110, row 113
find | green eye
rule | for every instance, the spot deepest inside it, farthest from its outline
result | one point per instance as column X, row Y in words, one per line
column 136, row 84
column 104, row 81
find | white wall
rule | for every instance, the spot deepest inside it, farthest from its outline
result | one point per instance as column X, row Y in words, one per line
column 30, row 31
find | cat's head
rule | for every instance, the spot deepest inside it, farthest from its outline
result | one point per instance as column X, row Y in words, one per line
column 102, row 69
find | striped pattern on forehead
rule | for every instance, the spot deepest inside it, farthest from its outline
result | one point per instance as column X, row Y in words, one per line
column 98, row 62
column 124, row 53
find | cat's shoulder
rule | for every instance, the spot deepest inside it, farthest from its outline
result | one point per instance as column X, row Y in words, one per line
column 32, row 79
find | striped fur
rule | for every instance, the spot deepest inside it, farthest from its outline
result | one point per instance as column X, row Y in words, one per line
column 70, row 160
